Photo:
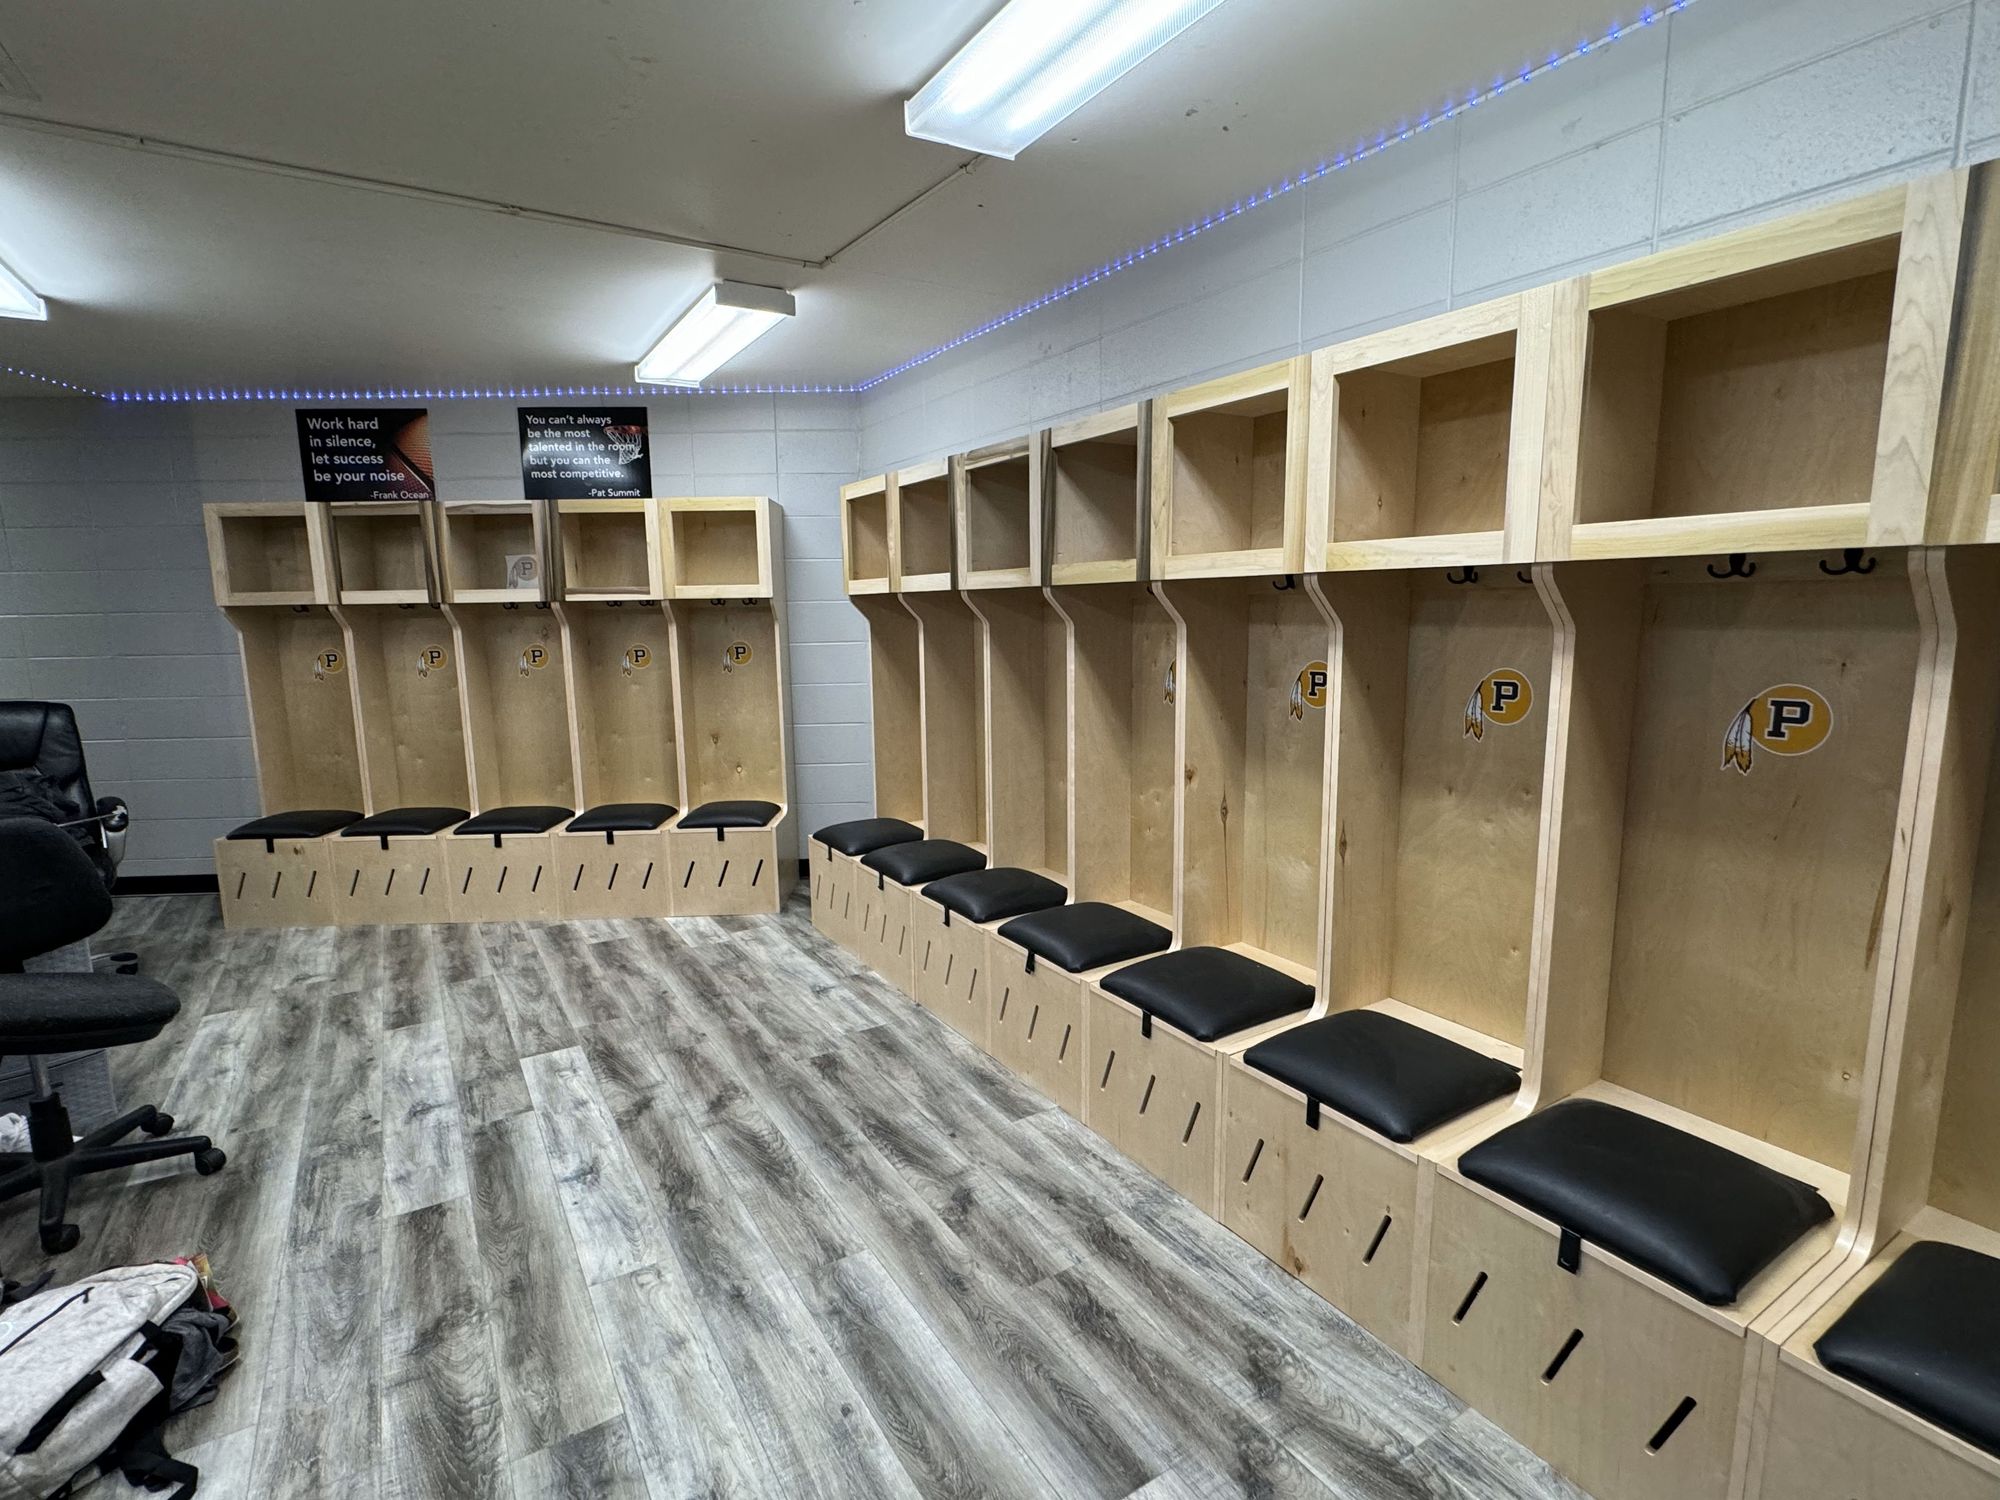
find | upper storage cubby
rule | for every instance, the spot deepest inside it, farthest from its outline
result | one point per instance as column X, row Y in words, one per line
column 721, row 549
column 267, row 553
column 1423, row 423
column 1229, row 475
column 1000, row 516
column 1735, row 397
column 865, row 520
column 611, row 549
column 1096, row 482
column 923, row 530
column 494, row 551
column 382, row 552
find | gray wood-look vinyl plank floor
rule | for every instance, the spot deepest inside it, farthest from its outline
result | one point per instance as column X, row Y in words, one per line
column 702, row 1210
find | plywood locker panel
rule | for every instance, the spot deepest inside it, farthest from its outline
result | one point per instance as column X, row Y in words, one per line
column 406, row 693
column 1097, row 479
column 998, row 506
column 391, row 881
column 1229, row 475
column 511, row 673
column 922, row 534
column 383, row 553
column 285, row 884
column 507, row 877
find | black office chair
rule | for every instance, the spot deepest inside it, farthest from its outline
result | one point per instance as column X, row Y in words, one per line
column 43, row 738
column 50, row 896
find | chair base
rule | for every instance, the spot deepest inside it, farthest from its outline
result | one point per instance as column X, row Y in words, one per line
column 56, row 1161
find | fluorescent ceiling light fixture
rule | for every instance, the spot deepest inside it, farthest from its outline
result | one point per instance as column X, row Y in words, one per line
column 18, row 299
column 729, row 318
column 1036, row 63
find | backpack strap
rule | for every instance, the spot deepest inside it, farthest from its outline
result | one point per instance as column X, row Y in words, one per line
column 140, row 1451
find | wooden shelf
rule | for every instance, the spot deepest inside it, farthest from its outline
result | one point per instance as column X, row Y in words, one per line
column 267, row 553
column 999, row 516
column 721, row 549
column 1229, row 475
column 1423, row 456
column 867, row 548
column 922, row 532
column 382, row 552
column 483, row 543
column 1098, row 477
column 611, row 550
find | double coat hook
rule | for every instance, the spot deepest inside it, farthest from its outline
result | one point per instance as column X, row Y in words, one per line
column 1850, row 562
column 1738, row 567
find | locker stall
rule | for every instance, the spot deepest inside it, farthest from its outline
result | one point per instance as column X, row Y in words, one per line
column 611, row 860
column 952, row 697
column 1438, row 697
column 1252, row 730
column 1881, row 1382
column 731, row 852
column 997, row 509
column 494, row 551
column 1122, row 775
column 922, row 545
column 383, row 552
column 611, row 549
column 1730, row 824
column 1025, row 647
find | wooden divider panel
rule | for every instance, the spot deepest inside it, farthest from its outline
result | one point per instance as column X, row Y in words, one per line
column 1027, row 697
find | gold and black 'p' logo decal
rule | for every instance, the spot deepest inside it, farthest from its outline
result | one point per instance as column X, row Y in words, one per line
column 1504, row 697
column 533, row 659
column 329, row 663
column 1309, row 688
column 637, row 658
column 1789, row 719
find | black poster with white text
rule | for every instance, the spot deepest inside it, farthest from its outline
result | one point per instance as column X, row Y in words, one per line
column 366, row 453
column 585, row 453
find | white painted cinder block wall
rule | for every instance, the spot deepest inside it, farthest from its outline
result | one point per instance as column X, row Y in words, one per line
column 1733, row 111
column 105, row 599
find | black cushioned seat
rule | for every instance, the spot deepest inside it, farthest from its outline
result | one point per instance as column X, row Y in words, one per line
column 924, row 861
column 622, row 817
column 731, row 815
column 1926, row 1336
column 1691, row 1212
column 52, row 1012
column 1088, row 935
column 1399, row 1080
column 1209, row 992
column 994, row 895
column 525, row 819
column 866, row 835
column 305, row 823
column 404, row 822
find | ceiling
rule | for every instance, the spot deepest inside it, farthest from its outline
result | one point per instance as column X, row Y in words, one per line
column 164, row 174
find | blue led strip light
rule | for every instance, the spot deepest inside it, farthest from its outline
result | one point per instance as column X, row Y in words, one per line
column 1363, row 150
column 66, row 385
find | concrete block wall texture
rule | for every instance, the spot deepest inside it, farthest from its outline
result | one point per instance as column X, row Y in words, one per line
column 1720, row 116
column 105, row 600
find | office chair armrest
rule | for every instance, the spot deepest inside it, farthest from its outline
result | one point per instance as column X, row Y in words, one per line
column 117, row 818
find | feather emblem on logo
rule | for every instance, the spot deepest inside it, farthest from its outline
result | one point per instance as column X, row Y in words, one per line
column 1739, row 745
column 1475, row 713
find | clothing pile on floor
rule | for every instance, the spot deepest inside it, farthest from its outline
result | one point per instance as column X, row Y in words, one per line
column 90, row 1372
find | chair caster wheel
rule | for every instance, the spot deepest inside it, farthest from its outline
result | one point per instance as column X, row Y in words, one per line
column 126, row 969
column 211, row 1161
column 163, row 1124
column 63, row 1237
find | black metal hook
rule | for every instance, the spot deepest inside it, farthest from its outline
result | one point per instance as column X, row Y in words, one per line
column 301, row 609
column 505, row 605
column 1524, row 575
column 1850, row 562
column 1284, row 584
column 1471, row 575
column 1738, row 567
